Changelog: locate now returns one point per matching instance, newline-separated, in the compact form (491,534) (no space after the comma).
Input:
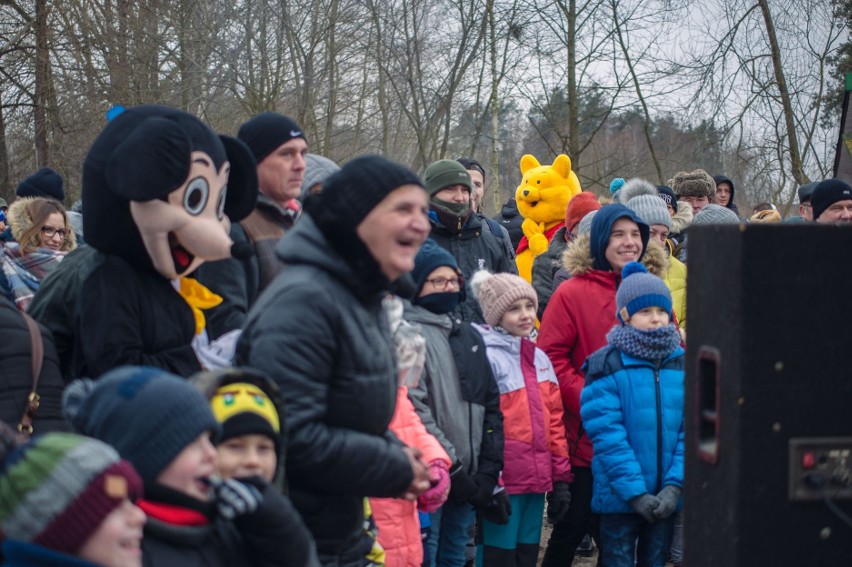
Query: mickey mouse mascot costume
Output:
(160,189)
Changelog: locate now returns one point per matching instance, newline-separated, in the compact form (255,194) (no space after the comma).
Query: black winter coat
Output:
(544,268)
(510,219)
(16,377)
(132,316)
(55,303)
(474,248)
(320,331)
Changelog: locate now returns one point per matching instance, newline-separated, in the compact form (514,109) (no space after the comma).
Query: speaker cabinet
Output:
(769,396)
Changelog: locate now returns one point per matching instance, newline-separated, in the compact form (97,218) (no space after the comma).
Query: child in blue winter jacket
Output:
(632,410)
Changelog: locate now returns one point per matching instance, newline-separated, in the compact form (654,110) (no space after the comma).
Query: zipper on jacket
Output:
(473,457)
(659,426)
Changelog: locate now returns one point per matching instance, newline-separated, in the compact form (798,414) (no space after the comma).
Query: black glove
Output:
(234,498)
(462,486)
(645,506)
(669,497)
(485,484)
(498,509)
(558,501)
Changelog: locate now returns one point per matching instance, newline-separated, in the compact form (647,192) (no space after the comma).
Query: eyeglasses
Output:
(806,205)
(445,283)
(50,232)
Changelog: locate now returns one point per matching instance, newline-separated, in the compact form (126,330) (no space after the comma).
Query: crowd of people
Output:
(246,354)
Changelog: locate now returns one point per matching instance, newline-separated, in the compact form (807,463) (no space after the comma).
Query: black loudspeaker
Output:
(769,396)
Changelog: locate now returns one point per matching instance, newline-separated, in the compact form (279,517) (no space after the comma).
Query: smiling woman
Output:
(43,236)
(320,331)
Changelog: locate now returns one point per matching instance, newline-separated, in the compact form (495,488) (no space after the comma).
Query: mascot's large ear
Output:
(562,165)
(151,162)
(242,181)
(528,162)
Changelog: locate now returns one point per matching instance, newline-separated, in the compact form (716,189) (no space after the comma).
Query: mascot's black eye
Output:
(195,196)
(220,206)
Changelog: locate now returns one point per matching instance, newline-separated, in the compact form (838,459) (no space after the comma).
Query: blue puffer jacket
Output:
(635,423)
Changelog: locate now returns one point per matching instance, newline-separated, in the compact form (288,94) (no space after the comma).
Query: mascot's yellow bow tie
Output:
(198,297)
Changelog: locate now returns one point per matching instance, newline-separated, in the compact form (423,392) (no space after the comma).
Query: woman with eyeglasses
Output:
(43,238)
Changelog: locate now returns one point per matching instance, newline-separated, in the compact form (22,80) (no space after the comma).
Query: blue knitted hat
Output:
(430,257)
(639,290)
(148,415)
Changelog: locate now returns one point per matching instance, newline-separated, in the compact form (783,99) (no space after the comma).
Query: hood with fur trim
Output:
(577,258)
(633,188)
(682,218)
(20,220)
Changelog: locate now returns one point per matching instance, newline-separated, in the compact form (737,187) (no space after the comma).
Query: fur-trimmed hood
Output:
(20,220)
(682,218)
(577,258)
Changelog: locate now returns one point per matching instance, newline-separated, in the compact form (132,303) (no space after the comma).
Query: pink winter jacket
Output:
(396,519)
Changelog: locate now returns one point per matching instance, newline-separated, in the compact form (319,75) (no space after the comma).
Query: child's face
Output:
(116,543)
(649,318)
(519,319)
(191,470)
(247,455)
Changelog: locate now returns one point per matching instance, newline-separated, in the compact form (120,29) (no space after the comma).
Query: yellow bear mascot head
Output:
(542,199)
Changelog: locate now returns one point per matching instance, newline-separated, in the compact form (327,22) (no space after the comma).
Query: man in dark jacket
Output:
(279,147)
(320,331)
(725,192)
(477,179)
(459,231)
(510,218)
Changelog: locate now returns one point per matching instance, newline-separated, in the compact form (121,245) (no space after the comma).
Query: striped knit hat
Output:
(56,490)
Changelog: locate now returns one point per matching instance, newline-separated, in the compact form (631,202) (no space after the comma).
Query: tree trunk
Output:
(42,67)
(795,156)
(573,95)
(5,181)
(495,109)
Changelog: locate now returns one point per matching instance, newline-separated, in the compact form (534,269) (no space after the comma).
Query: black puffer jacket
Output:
(510,219)
(474,248)
(132,316)
(16,373)
(320,332)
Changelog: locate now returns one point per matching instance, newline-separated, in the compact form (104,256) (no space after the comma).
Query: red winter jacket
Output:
(579,315)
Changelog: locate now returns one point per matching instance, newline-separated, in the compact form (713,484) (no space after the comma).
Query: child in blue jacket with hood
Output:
(632,409)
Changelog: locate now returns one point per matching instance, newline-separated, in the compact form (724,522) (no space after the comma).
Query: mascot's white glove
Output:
(216,354)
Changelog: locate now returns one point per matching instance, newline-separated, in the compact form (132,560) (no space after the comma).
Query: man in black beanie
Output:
(279,146)
(832,202)
(43,183)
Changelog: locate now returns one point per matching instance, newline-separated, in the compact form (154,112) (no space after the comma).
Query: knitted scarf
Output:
(652,344)
(24,272)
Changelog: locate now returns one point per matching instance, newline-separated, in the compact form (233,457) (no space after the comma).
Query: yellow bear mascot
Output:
(542,199)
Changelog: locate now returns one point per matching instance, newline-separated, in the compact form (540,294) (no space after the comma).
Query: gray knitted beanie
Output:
(715,214)
(651,209)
